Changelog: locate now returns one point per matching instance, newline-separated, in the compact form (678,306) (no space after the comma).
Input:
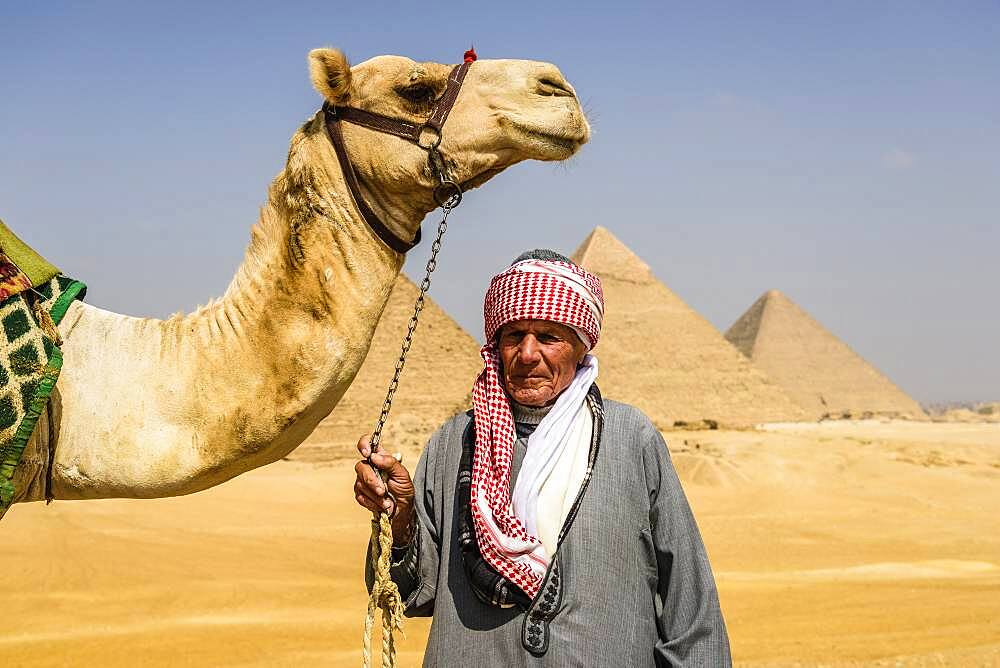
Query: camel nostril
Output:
(553,87)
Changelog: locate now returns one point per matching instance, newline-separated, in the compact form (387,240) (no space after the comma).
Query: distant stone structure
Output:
(436,383)
(817,370)
(987,411)
(660,355)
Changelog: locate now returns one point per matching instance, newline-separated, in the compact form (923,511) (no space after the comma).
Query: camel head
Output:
(507,111)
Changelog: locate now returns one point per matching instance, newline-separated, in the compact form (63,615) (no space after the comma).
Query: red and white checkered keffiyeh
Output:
(530,290)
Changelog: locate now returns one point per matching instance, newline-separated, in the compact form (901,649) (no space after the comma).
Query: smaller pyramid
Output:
(436,383)
(660,355)
(816,369)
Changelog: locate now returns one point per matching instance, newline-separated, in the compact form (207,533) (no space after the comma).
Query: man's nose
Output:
(528,352)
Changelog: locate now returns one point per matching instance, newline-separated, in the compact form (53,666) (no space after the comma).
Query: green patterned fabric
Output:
(20,266)
(30,361)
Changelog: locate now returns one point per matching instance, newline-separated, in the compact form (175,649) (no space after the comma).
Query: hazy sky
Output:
(847,154)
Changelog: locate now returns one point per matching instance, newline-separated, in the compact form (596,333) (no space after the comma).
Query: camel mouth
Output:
(533,142)
(569,143)
(565,144)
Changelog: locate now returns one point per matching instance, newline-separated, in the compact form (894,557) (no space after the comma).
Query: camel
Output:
(150,408)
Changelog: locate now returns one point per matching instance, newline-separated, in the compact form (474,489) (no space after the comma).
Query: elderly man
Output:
(547,527)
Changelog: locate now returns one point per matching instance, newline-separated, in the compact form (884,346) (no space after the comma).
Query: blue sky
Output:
(845,153)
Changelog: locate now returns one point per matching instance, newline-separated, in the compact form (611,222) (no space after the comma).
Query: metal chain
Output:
(418,306)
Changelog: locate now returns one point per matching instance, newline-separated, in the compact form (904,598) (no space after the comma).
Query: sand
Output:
(834,544)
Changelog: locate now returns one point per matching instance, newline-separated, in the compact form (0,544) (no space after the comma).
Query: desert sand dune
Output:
(834,544)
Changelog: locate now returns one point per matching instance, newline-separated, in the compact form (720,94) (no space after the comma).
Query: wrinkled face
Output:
(539,359)
(507,111)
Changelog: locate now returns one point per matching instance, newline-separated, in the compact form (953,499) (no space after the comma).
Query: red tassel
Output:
(470,55)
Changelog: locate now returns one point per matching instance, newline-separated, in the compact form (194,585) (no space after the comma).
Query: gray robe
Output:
(638,589)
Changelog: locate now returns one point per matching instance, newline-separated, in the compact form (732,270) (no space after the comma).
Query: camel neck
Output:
(387,234)
(240,382)
(300,312)
(311,237)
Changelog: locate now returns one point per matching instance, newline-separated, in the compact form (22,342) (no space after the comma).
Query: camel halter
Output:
(448,195)
(427,136)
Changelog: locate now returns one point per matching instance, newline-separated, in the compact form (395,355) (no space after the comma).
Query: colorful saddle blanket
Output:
(34,297)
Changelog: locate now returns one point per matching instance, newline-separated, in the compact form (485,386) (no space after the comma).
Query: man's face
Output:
(539,359)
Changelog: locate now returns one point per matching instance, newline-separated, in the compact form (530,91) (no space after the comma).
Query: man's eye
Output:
(417,93)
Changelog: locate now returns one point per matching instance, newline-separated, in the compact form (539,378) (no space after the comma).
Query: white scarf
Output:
(556,461)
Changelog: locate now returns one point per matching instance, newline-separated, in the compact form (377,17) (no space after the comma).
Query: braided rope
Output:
(384,595)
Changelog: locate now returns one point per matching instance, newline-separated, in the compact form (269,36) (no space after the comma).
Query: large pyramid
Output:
(814,367)
(436,383)
(658,354)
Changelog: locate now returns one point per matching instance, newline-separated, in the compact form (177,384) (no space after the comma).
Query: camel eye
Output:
(417,93)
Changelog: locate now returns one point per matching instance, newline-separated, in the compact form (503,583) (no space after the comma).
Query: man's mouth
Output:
(528,380)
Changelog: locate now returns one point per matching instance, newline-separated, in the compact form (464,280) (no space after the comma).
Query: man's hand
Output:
(369,489)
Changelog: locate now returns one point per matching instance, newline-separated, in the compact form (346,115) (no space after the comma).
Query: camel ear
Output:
(331,74)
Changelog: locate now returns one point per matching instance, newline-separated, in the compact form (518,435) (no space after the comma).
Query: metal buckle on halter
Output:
(447,194)
(435,132)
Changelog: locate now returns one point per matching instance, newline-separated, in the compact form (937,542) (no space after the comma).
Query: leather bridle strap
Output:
(380,229)
(378,122)
(399,128)
(447,101)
